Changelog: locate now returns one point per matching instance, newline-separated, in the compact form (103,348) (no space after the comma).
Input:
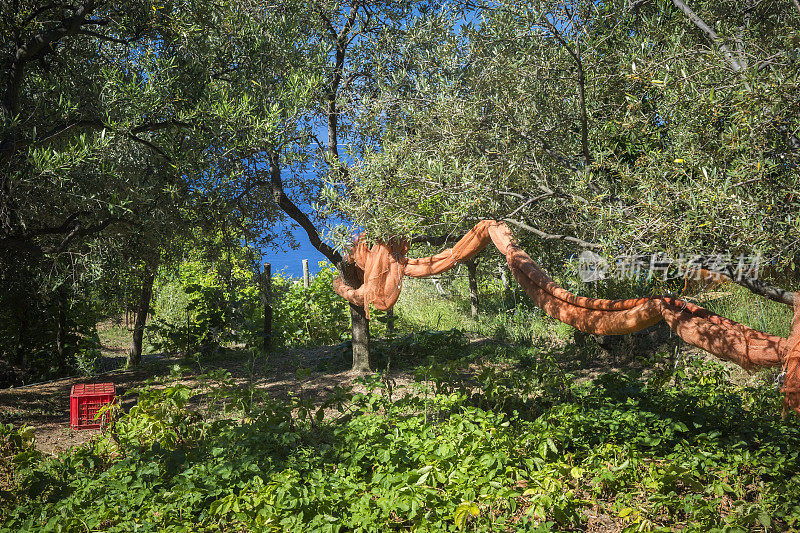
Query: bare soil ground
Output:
(45,406)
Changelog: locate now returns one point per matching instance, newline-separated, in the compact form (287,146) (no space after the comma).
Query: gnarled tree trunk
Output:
(142,308)
(359,323)
(360,333)
(349,272)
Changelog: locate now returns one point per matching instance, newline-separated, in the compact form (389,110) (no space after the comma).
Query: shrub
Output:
(500,453)
(194,300)
(312,316)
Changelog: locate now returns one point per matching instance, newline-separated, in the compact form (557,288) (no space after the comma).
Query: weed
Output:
(520,447)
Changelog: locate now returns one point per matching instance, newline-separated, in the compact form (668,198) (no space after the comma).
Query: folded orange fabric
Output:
(384,266)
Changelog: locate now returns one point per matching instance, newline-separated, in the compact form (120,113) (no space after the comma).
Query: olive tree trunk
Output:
(142,308)
(359,323)
(360,332)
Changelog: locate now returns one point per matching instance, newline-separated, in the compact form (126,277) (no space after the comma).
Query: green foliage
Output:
(29,331)
(215,316)
(622,126)
(83,348)
(171,109)
(697,453)
(122,131)
(312,316)
(17,452)
(168,327)
(196,299)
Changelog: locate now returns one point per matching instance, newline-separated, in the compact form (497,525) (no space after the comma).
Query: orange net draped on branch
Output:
(384,266)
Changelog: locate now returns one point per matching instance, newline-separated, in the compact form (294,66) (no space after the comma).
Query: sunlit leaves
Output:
(687,155)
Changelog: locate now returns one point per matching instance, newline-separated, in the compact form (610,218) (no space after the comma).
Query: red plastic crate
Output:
(84,402)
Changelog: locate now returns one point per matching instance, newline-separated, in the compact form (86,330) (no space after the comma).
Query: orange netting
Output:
(384,266)
(791,368)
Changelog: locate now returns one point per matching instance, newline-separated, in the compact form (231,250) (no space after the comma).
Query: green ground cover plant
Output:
(196,300)
(499,429)
(519,447)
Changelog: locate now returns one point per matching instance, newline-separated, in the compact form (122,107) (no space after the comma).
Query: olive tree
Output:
(301,105)
(102,122)
(628,127)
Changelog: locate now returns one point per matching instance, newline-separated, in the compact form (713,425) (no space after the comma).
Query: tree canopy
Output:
(626,127)
(636,127)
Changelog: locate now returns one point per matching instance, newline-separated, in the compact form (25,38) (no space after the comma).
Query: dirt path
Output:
(310,373)
(45,407)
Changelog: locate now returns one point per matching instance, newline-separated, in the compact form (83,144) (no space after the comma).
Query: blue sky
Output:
(289,262)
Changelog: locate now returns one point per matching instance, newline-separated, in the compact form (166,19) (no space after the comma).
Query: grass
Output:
(511,316)
(759,313)
(421,307)
(114,333)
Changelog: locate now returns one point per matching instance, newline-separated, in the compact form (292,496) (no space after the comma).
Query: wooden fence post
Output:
(267,295)
(188,333)
(472,274)
(390,322)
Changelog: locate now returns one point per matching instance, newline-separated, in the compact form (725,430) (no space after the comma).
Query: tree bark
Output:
(762,288)
(143,307)
(576,56)
(61,329)
(709,33)
(360,335)
(359,323)
(358,316)
(472,274)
